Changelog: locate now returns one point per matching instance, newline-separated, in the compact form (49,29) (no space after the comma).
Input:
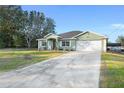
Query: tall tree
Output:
(10,22)
(32,25)
(120,39)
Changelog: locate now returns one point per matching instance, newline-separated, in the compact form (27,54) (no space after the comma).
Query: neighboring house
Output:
(114,47)
(74,40)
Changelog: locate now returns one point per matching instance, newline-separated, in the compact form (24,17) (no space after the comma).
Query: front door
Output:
(54,44)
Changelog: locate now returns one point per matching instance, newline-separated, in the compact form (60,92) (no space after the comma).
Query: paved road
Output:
(74,69)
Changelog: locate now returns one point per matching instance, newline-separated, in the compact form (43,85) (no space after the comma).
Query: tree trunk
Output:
(28,43)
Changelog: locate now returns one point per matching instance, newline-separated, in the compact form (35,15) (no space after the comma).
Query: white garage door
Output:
(89,45)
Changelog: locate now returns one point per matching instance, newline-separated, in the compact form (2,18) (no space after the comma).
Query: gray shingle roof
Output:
(70,34)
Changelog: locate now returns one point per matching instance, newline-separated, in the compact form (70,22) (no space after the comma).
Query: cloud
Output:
(118,26)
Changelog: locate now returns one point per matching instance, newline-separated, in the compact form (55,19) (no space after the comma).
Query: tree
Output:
(49,26)
(18,26)
(32,25)
(120,39)
(2,40)
(9,22)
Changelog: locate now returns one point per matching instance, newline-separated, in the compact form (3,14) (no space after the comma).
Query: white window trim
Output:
(42,44)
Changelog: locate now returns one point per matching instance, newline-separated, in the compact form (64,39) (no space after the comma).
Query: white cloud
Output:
(118,26)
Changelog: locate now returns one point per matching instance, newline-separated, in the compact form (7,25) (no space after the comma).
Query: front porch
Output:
(50,42)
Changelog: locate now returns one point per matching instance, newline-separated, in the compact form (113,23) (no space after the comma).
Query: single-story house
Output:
(73,40)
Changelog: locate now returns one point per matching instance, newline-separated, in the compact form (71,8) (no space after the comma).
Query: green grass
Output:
(112,70)
(14,59)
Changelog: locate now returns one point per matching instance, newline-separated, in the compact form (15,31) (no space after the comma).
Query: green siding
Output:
(89,36)
(86,36)
(73,44)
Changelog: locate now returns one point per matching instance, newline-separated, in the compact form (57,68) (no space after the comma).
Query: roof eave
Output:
(41,39)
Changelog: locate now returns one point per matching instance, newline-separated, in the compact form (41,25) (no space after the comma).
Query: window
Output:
(65,43)
(43,43)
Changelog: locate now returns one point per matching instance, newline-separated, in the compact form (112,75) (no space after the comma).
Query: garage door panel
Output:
(89,45)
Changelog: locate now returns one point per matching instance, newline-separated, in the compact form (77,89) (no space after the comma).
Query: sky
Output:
(105,20)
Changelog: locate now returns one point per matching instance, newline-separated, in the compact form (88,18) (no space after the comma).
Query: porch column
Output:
(57,45)
(70,45)
(38,45)
(46,44)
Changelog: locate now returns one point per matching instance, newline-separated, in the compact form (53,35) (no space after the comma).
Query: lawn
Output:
(15,59)
(112,70)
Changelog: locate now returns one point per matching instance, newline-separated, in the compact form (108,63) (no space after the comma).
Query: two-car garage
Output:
(89,45)
(91,42)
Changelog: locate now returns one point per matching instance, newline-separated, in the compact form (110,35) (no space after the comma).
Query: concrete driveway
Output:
(74,69)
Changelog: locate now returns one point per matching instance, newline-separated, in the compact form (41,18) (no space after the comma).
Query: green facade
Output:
(89,36)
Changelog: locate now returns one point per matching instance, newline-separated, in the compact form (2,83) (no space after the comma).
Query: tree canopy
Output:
(19,28)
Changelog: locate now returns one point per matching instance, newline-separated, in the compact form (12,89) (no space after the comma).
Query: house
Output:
(73,40)
(117,47)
